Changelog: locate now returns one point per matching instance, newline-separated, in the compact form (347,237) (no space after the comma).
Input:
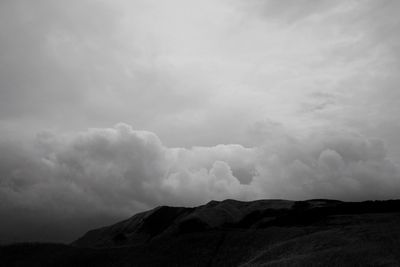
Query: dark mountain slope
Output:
(171,221)
(234,233)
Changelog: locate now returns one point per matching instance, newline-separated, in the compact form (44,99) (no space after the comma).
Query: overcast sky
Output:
(108,108)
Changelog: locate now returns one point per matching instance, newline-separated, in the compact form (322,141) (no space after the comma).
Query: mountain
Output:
(316,232)
(167,221)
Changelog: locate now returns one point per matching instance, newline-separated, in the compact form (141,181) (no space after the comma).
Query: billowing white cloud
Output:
(115,172)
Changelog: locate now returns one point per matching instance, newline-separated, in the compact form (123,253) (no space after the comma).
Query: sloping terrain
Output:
(168,221)
(234,233)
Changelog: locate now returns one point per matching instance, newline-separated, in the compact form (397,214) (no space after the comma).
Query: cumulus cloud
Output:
(102,174)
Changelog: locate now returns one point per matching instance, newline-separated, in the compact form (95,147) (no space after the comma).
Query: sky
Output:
(109,108)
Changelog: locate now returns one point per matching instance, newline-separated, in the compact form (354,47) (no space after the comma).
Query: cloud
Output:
(330,165)
(203,67)
(289,11)
(92,177)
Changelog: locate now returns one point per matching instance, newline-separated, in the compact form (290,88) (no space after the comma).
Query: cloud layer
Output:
(72,181)
(203,67)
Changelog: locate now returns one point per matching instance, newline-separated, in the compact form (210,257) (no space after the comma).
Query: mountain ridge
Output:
(165,221)
(315,232)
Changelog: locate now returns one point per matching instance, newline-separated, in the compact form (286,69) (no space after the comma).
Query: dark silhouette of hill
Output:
(316,232)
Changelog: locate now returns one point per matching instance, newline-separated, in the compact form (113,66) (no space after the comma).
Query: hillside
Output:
(234,233)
